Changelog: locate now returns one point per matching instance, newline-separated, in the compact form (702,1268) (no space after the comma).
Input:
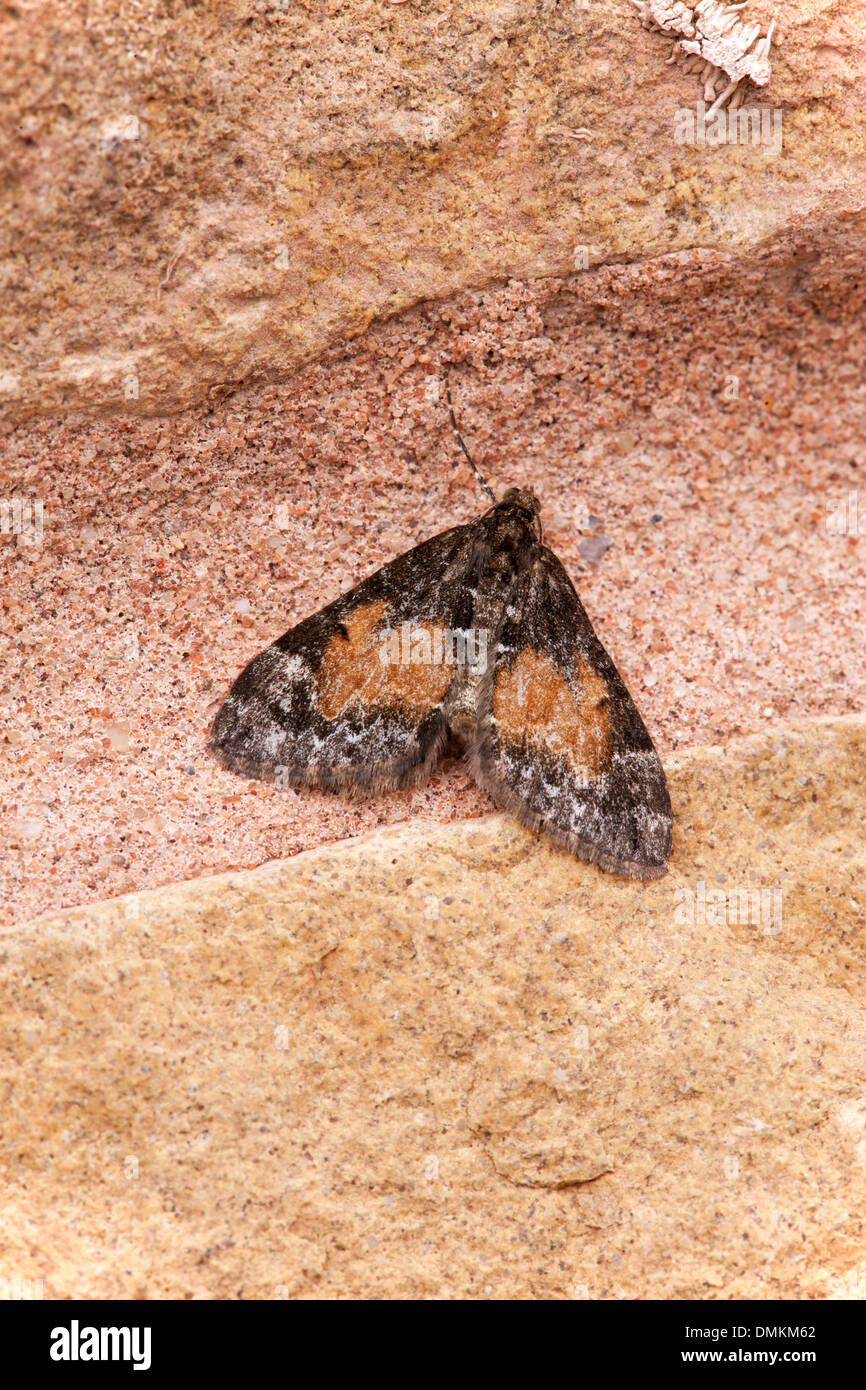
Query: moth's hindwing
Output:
(559,741)
(335,702)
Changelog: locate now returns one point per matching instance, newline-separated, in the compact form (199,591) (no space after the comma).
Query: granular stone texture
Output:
(451,1061)
(201,196)
(693,426)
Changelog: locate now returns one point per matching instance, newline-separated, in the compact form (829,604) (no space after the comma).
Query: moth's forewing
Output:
(559,740)
(339,700)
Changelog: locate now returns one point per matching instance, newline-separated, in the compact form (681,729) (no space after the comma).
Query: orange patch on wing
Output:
(533,704)
(353,673)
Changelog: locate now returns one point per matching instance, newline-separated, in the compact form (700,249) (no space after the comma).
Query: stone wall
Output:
(198,196)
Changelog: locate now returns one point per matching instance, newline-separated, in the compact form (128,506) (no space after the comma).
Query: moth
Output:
(476,636)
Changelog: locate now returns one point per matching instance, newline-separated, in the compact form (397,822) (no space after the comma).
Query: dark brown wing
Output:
(335,702)
(559,741)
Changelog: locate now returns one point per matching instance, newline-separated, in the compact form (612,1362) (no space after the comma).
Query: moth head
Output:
(517,496)
(517,499)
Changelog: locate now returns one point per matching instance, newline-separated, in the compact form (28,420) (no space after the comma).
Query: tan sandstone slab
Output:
(198,197)
(452,1061)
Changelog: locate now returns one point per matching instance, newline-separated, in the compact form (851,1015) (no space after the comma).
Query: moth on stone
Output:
(716,40)
(477,634)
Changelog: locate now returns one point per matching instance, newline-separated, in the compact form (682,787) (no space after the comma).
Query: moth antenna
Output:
(478,474)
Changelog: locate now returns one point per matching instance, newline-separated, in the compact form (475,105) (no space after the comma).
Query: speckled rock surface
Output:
(693,427)
(451,1061)
(198,199)
(201,196)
